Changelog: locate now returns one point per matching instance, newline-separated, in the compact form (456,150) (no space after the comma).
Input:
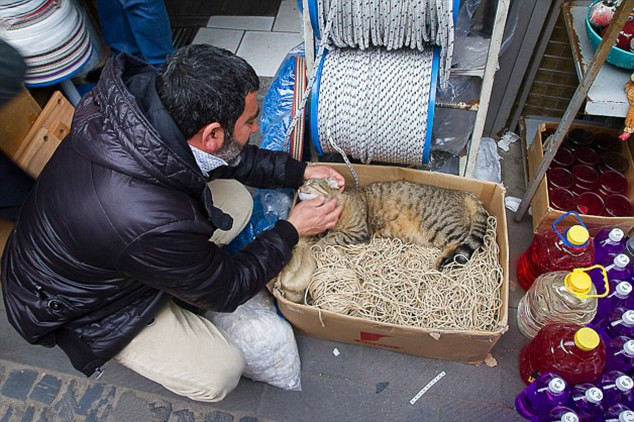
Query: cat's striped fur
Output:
(454,221)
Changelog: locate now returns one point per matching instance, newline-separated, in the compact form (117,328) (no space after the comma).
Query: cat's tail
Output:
(461,251)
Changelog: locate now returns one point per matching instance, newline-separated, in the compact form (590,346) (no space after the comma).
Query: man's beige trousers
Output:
(182,351)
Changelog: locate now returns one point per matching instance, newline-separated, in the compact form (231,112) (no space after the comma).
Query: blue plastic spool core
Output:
(314,104)
(56,81)
(431,106)
(314,17)
(562,237)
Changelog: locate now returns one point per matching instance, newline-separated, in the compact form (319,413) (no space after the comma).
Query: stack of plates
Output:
(49,34)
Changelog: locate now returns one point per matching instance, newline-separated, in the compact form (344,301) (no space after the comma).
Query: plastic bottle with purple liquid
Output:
(620,295)
(617,387)
(629,248)
(620,268)
(587,400)
(558,414)
(540,396)
(619,413)
(608,243)
(620,322)
(619,354)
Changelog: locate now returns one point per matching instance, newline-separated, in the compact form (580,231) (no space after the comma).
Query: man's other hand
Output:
(315,216)
(324,172)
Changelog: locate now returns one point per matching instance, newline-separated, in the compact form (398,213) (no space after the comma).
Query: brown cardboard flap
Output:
(469,346)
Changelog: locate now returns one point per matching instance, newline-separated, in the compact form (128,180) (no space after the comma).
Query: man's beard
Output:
(230,150)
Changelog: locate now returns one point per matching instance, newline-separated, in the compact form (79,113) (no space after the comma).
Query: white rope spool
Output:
(393,24)
(373,104)
(50,35)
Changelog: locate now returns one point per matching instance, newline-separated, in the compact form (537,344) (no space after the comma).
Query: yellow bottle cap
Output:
(587,339)
(577,235)
(579,281)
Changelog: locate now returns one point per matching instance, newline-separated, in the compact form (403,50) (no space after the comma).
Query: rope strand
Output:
(393,24)
(390,281)
(373,104)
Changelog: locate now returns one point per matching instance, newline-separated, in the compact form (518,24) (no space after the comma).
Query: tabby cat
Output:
(453,221)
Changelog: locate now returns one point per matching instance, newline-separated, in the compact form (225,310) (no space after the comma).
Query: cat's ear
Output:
(332,183)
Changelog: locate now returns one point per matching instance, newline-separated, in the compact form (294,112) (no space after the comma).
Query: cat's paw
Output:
(452,255)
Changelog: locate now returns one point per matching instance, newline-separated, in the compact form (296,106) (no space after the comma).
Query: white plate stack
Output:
(49,34)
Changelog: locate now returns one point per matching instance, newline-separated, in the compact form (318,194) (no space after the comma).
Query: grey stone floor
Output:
(360,384)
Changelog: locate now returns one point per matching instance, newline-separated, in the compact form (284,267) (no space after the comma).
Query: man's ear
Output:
(213,136)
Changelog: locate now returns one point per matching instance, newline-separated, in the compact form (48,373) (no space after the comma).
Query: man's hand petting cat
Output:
(324,172)
(315,216)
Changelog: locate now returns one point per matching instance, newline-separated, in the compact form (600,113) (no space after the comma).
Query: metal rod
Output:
(555,140)
(460,105)
(487,84)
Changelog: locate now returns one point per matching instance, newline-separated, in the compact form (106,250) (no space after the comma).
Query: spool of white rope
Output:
(50,35)
(393,24)
(373,104)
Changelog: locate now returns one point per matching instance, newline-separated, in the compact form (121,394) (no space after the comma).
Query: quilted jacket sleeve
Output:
(262,168)
(179,259)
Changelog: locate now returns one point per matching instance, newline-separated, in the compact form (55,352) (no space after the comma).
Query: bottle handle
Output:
(584,295)
(561,236)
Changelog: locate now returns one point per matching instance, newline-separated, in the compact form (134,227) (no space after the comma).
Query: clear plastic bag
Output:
(488,165)
(266,340)
(473,31)
(452,128)
(269,205)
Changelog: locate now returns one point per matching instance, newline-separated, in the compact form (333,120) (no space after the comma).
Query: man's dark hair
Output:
(201,84)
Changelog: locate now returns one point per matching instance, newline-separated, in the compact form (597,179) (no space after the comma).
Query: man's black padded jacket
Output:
(119,223)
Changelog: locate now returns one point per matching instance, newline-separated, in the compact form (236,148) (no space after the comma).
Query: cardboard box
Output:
(544,214)
(466,346)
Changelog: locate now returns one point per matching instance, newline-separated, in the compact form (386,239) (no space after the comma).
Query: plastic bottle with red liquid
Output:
(619,354)
(546,392)
(617,387)
(588,401)
(553,251)
(573,352)
(608,243)
(558,414)
(619,413)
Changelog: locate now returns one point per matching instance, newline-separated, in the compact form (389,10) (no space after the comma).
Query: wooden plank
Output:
(41,141)
(487,85)
(5,230)
(17,117)
(309,39)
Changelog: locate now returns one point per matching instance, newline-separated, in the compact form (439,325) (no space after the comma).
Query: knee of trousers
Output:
(224,381)
(244,211)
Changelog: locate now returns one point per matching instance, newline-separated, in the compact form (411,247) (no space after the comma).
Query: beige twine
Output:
(394,282)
